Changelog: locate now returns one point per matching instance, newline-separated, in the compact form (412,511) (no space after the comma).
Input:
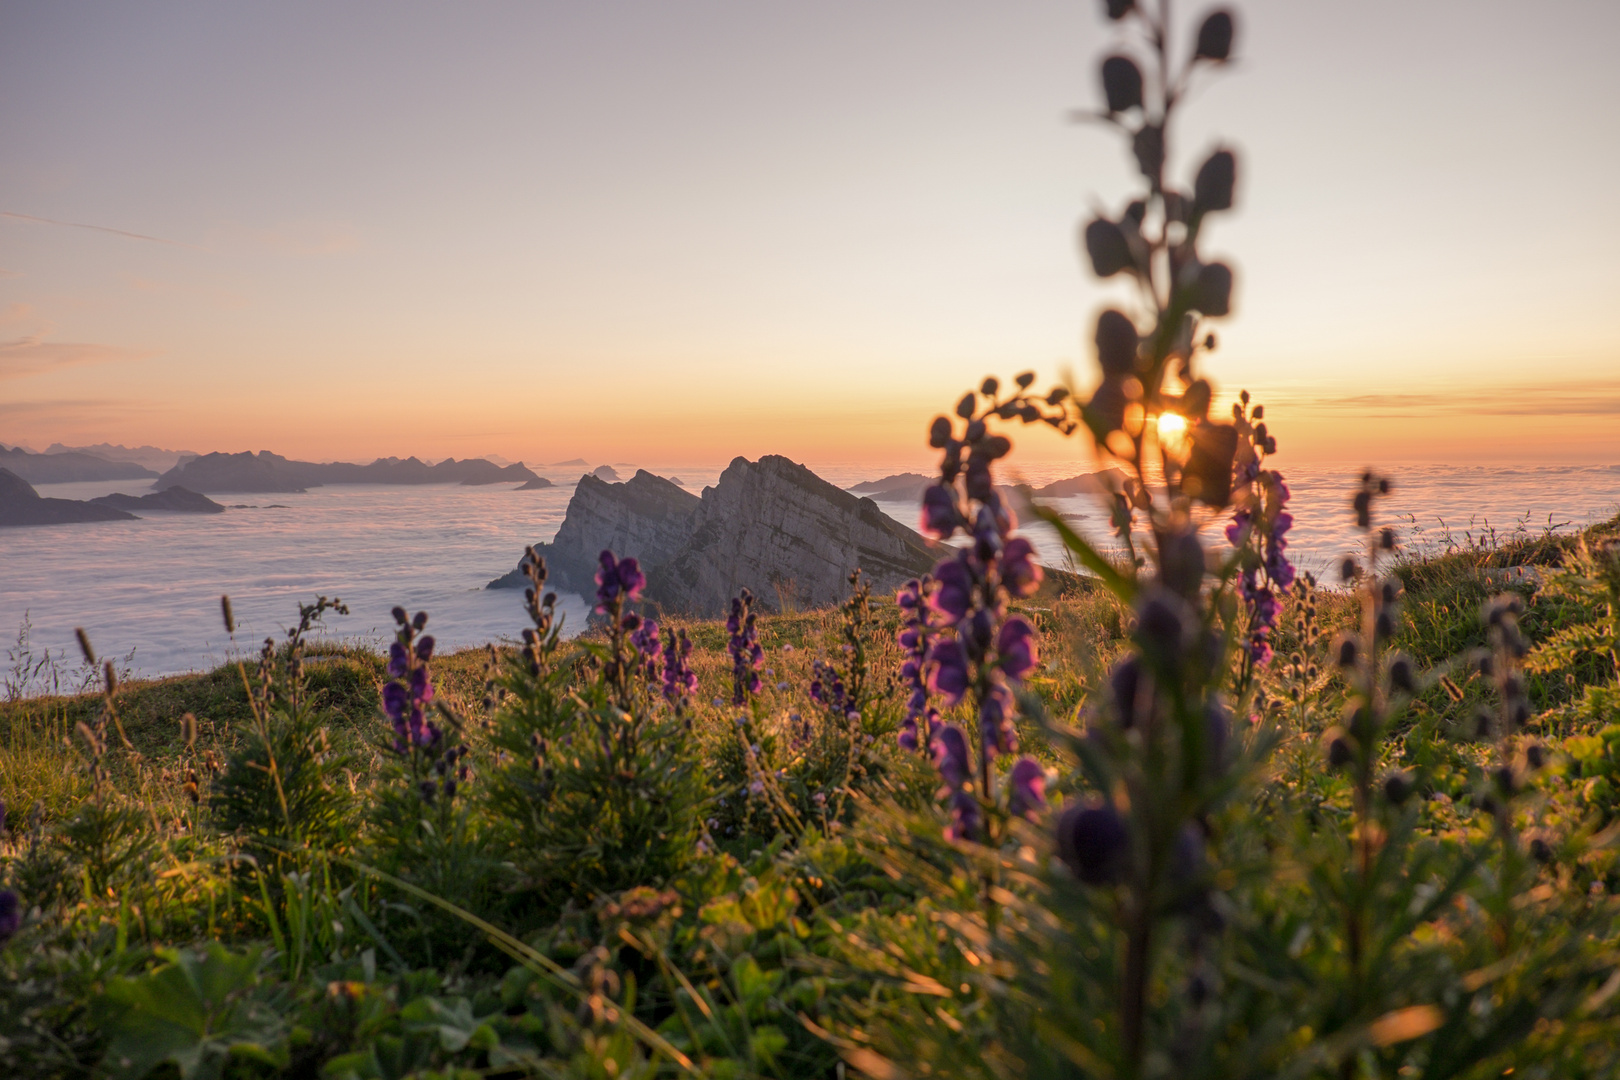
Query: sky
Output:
(684,231)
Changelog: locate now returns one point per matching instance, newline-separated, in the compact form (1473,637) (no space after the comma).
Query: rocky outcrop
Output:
(771,526)
(20,504)
(645,516)
(152,457)
(69,467)
(539,483)
(789,537)
(175,500)
(1084,484)
(267,472)
(901,487)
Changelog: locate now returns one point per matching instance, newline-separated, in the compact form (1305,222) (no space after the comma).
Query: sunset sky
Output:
(688,230)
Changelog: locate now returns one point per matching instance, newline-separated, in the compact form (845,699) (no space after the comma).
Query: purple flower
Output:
(908,734)
(1258,585)
(617,580)
(11,914)
(1028,782)
(396,701)
(950,751)
(1094,842)
(948,670)
(996,731)
(743,645)
(967,818)
(954,596)
(399,660)
(1016,644)
(1019,570)
(1131,689)
(913,638)
(424,648)
(940,516)
(679,679)
(421,686)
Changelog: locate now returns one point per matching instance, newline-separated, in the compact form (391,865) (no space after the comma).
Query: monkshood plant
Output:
(596,782)
(284,790)
(1158,753)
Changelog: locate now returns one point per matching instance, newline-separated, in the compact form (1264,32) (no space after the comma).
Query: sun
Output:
(1172,426)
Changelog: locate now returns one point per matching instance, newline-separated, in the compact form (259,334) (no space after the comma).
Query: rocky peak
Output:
(770,525)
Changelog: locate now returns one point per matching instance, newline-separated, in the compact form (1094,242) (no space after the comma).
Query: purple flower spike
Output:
(954,596)
(1016,643)
(617,580)
(1028,796)
(1019,570)
(421,686)
(967,819)
(997,735)
(908,734)
(951,756)
(396,700)
(11,914)
(948,670)
(940,516)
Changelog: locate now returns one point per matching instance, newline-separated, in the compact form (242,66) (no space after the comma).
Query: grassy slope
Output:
(41,758)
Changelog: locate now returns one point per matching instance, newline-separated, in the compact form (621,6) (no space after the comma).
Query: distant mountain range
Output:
(268,472)
(68,466)
(152,457)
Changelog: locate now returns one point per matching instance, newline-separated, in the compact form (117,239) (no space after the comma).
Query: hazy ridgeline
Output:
(1197,816)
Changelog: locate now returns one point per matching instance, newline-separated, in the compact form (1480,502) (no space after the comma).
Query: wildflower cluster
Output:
(978,650)
(742,642)
(539,639)
(1259,527)
(680,681)
(619,581)
(915,626)
(406,697)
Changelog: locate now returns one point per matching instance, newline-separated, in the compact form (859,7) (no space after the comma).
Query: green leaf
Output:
(1117,583)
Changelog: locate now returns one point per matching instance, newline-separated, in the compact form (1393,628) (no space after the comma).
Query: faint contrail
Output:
(97,228)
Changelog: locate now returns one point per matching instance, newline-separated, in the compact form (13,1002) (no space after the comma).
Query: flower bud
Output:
(1181,561)
(1109,251)
(1148,145)
(1397,787)
(1505,781)
(1122,84)
(1347,651)
(1336,744)
(1347,569)
(1216,178)
(1094,842)
(1212,293)
(1535,756)
(1116,343)
(1215,37)
(1207,475)
(939,433)
(1118,9)
(1541,851)
(1401,676)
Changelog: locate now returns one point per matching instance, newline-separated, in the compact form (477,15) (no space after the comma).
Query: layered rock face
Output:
(646,516)
(788,536)
(771,526)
